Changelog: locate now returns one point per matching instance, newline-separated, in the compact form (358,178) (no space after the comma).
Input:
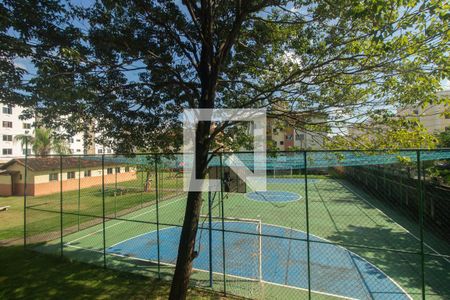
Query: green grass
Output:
(30,275)
(11,221)
(40,218)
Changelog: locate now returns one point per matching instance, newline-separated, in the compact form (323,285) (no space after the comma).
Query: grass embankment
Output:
(29,275)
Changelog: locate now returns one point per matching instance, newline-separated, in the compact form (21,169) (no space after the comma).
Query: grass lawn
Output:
(30,275)
(11,221)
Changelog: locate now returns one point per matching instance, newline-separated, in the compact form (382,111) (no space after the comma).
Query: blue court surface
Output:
(334,270)
(273,196)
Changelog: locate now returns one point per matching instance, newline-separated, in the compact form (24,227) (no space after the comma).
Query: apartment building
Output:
(285,137)
(83,143)
(10,126)
(435,118)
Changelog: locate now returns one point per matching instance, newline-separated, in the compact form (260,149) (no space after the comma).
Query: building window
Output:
(7,110)
(53,177)
(7,138)
(78,150)
(117,170)
(26,151)
(100,151)
(70,140)
(26,126)
(78,140)
(289,137)
(7,151)
(281,143)
(108,151)
(127,169)
(87,173)
(7,124)
(109,171)
(71,175)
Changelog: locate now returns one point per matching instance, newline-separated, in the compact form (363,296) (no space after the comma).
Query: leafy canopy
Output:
(133,66)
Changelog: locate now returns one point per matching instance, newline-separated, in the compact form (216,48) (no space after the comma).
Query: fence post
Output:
(79,190)
(161,180)
(157,215)
(103,210)
(307,224)
(421,209)
(115,192)
(223,226)
(142,186)
(61,201)
(210,240)
(25,196)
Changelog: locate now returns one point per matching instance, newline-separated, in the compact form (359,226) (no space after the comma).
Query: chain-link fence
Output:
(342,224)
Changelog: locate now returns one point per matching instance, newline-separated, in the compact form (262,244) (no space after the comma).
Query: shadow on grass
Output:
(30,275)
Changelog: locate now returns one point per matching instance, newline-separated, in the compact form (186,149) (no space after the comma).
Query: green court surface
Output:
(343,221)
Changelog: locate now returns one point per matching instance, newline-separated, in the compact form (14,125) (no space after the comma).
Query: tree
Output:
(133,66)
(387,132)
(444,139)
(43,142)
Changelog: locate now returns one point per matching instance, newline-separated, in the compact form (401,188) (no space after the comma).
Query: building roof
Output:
(53,163)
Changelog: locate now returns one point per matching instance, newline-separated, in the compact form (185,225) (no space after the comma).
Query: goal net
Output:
(239,242)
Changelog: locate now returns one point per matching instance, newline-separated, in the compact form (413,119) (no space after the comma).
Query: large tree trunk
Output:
(208,70)
(186,253)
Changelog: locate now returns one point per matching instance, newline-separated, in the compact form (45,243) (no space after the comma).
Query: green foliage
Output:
(132,66)
(386,133)
(44,142)
(444,139)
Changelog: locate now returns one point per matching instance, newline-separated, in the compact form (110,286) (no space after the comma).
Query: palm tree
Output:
(43,142)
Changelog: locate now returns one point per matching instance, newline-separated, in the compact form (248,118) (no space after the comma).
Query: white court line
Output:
(216,273)
(272,201)
(115,224)
(279,284)
(418,239)
(345,249)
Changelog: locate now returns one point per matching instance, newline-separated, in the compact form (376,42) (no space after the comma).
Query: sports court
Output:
(256,244)
(263,247)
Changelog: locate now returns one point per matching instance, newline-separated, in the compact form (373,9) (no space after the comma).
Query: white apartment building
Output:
(11,126)
(76,144)
(100,149)
(79,146)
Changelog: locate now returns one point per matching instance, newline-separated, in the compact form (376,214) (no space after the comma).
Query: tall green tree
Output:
(44,142)
(444,139)
(133,66)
